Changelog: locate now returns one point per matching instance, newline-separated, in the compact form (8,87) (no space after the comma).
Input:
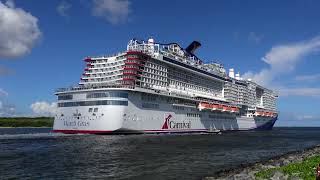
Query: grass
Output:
(26,122)
(305,170)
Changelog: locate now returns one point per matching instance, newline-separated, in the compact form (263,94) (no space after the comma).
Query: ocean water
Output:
(30,153)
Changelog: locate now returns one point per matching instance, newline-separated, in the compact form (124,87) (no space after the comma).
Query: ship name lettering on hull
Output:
(76,123)
(180,125)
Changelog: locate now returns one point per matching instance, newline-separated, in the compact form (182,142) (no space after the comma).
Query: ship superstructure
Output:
(154,87)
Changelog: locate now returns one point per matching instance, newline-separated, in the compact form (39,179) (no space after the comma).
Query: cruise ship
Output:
(153,87)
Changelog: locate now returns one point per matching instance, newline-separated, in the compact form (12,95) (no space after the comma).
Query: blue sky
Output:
(42,44)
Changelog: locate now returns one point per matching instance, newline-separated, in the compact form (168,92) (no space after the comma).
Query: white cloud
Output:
(3,93)
(253,36)
(44,108)
(114,11)
(309,78)
(308,117)
(10,3)
(19,31)
(294,116)
(300,117)
(314,92)
(63,7)
(282,59)
(6,109)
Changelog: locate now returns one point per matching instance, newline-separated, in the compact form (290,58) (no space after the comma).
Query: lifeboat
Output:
(229,109)
(202,106)
(215,106)
(259,113)
(212,107)
(224,108)
(219,107)
(206,105)
(234,109)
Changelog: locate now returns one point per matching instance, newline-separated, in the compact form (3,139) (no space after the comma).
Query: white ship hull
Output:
(161,88)
(138,116)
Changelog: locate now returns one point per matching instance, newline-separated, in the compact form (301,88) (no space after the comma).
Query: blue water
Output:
(32,153)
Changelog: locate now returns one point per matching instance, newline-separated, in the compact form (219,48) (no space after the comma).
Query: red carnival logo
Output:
(166,122)
(171,124)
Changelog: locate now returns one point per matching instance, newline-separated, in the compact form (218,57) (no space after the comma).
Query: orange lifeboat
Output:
(203,105)
(220,107)
(224,108)
(259,113)
(234,109)
(271,114)
(215,106)
(207,106)
(229,108)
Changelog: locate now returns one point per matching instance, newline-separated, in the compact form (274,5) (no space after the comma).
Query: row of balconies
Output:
(197,83)
(156,67)
(184,84)
(95,69)
(115,76)
(145,78)
(89,72)
(102,74)
(149,70)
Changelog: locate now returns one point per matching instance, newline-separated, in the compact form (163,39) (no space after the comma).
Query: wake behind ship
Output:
(161,88)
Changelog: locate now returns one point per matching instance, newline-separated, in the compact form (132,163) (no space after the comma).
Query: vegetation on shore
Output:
(305,169)
(26,122)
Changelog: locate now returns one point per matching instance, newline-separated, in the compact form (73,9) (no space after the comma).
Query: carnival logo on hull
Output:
(171,124)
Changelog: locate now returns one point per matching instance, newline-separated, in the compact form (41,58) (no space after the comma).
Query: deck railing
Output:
(78,88)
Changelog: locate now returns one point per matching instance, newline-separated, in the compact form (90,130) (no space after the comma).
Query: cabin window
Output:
(150,106)
(93,103)
(65,97)
(107,94)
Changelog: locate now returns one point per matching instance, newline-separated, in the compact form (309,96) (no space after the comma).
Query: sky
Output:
(276,43)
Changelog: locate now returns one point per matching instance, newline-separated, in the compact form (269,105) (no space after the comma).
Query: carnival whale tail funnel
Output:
(193,46)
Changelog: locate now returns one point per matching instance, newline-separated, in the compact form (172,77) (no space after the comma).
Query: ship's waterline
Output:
(161,88)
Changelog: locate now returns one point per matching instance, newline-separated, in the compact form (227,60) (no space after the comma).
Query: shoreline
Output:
(248,171)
